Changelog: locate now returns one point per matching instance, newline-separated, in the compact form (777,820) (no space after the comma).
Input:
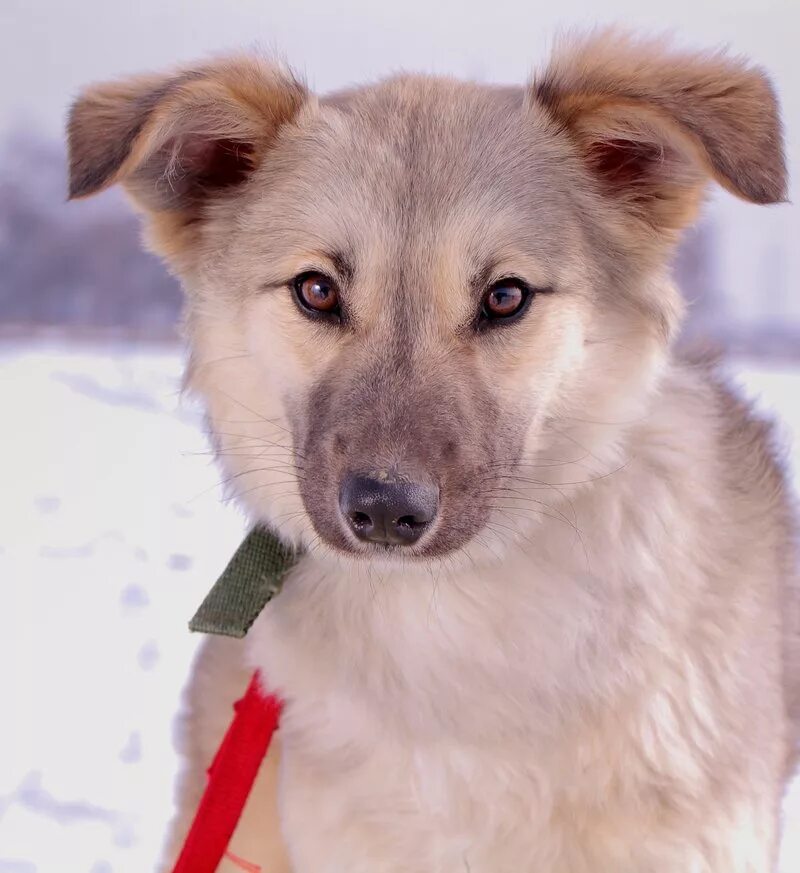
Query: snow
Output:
(111,530)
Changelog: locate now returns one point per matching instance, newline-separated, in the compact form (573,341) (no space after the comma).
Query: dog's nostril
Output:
(360,518)
(390,512)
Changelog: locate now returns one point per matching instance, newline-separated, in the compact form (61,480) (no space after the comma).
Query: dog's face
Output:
(419,310)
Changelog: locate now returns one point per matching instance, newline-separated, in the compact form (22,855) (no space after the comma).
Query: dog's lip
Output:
(364,552)
(374,550)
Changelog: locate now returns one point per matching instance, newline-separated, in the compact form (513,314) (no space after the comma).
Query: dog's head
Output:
(420,310)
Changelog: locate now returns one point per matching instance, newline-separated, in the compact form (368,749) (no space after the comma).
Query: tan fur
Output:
(723,109)
(590,661)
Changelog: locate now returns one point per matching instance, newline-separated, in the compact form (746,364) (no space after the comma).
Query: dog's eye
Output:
(505,300)
(317,294)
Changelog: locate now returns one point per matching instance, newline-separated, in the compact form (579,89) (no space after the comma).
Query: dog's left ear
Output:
(654,125)
(178,140)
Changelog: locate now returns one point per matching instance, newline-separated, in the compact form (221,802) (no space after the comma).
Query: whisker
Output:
(203,364)
(558,517)
(266,485)
(278,469)
(589,481)
(562,519)
(258,415)
(549,462)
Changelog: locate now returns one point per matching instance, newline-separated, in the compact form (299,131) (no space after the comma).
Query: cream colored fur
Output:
(604,675)
(600,699)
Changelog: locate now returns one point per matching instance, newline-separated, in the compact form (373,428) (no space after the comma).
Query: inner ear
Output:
(225,162)
(645,163)
(187,169)
(625,165)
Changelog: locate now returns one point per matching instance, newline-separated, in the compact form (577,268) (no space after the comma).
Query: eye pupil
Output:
(504,299)
(317,292)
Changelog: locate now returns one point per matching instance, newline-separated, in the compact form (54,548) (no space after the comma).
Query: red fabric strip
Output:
(230,780)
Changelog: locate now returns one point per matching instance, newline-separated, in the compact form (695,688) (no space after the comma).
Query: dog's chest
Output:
(429,735)
(383,806)
(438,806)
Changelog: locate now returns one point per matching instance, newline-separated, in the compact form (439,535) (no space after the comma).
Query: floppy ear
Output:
(654,125)
(176,140)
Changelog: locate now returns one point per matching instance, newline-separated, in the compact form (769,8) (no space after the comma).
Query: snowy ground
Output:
(111,530)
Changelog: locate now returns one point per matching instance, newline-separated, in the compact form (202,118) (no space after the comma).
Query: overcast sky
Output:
(50,48)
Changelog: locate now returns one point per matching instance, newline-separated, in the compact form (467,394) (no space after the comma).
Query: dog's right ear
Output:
(175,141)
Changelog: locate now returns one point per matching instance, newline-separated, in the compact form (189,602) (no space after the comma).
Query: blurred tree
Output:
(694,269)
(74,265)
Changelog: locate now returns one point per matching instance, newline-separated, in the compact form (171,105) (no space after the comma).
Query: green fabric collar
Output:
(252,578)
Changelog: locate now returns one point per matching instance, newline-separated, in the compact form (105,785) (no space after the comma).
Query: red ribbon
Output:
(230,780)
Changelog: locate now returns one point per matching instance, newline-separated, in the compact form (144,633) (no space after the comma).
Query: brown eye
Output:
(317,293)
(504,300)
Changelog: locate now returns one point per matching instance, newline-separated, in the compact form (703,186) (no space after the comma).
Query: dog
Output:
(547,615)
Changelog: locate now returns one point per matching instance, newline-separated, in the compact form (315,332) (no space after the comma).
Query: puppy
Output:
(547,617)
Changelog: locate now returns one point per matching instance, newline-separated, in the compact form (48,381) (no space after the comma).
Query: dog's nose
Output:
(384,511)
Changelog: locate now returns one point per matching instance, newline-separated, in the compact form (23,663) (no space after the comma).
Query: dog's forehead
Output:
(431,110)
(435,139)
(420,169)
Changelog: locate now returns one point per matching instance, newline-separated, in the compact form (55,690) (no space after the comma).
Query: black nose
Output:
(387,511)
